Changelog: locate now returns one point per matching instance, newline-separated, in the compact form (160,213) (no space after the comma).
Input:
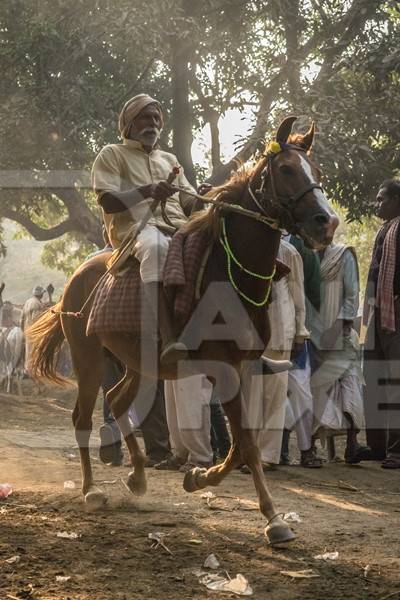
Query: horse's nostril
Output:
(321,219)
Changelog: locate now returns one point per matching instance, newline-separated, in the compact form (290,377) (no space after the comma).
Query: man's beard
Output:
(149,136)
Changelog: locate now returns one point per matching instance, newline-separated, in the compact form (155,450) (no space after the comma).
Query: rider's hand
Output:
(159,191)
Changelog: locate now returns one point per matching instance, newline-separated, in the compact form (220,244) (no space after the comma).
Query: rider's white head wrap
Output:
(132,108)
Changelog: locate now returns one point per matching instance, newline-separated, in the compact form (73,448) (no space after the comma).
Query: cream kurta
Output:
(121,167)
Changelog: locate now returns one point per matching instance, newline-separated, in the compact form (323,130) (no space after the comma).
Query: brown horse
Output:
(284,188)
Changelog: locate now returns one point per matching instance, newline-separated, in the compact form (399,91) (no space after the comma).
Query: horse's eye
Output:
(286,170)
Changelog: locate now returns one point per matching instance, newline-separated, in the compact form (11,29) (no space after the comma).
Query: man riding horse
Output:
(125,177)
(282,191)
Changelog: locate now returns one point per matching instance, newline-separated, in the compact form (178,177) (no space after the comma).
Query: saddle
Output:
(118,306)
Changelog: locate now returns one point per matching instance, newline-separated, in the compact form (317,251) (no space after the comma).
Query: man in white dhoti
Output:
(336,381)
(300,406)
(267,393)
(31,311)
(189,424)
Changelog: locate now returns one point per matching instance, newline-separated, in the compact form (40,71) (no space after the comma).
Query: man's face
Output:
(146,128)
(388,206)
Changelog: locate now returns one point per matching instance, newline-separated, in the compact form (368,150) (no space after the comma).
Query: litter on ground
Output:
(303,574)
(292,517)
(157,538)
(239,585)
(5,490)
(69,485)
(327,556)
(67,536)
(211,562)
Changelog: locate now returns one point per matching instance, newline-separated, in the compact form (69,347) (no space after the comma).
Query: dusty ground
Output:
(112,559)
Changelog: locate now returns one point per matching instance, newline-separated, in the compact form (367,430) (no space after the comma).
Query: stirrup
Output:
(271,366)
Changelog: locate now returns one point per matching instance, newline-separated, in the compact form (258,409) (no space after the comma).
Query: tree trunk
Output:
(182,137)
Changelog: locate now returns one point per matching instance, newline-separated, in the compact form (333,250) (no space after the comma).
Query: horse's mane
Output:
(230,192)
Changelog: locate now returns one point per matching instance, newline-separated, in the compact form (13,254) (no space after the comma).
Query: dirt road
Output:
(352,510)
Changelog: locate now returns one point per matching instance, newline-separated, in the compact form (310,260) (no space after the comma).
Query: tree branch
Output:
(351,25)
(352,22)
(37,232)
(127,93)
(80,213)
(290,14)
(210,116)
(256,135)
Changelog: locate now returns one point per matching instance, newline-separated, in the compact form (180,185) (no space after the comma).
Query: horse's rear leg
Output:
(119,400)
(88,362)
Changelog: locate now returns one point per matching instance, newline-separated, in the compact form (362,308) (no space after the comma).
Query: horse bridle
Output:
(275,201)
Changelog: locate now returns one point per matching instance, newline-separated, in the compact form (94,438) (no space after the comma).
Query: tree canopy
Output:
(68,66)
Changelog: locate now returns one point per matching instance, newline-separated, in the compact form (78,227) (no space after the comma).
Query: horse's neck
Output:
(253,243)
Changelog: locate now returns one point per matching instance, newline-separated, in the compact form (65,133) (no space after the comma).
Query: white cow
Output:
(12,352)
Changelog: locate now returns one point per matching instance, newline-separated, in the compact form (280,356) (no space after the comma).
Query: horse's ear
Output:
(285,129)
(308,137)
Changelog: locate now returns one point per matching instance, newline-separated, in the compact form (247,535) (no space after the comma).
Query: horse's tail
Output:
(45,337)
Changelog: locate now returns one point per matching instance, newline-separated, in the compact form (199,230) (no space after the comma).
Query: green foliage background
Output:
(68,66)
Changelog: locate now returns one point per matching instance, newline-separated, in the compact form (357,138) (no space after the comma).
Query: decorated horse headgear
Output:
(274,148)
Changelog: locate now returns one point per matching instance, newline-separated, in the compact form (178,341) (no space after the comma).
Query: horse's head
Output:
(290,190)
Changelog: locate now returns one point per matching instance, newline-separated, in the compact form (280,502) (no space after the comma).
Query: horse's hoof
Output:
(190,480)
(278,532)
(95,499)
(137,485)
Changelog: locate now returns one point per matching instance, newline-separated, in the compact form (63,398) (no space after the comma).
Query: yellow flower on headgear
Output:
(274,148)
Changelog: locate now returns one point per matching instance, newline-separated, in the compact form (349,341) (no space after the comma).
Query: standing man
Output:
(336,379)
(382,344)
(300,406)
(31,311)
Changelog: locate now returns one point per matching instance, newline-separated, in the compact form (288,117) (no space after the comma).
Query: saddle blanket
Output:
(117,306)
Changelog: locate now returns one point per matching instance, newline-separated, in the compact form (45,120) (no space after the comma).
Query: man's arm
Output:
(115,202)
(107,183)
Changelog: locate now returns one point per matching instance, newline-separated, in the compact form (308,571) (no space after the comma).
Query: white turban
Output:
(132,108)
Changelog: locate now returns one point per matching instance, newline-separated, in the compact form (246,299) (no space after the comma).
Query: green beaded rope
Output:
(230,256)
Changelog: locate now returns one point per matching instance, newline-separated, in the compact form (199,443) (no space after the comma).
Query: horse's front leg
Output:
(277,530)
(244,450)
